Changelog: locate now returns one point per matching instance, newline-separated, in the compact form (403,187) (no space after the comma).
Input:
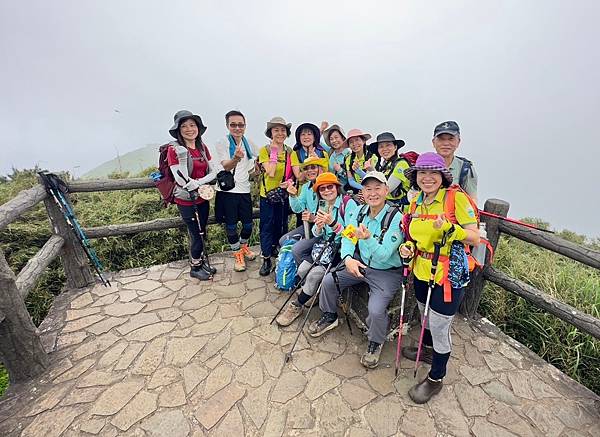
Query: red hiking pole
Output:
(401,325)
(436,255)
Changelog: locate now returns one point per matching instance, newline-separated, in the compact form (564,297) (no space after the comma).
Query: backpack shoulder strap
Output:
(387,221)
(465,169)
(362,212)
(345,199)
(450,203)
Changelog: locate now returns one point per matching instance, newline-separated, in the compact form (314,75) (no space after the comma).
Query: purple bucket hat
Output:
(430,161)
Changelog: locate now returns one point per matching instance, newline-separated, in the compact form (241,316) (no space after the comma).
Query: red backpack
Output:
(410,157)
(166,183)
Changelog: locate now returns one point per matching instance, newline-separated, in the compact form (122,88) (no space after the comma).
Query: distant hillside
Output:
(133,162)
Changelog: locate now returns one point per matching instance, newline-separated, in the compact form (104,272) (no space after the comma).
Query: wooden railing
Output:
(21,350)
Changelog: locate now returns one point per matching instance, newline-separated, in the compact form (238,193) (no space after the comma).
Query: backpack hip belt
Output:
(444,261)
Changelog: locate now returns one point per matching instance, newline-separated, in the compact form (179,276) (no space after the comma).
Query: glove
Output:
(192,185)
(273,157)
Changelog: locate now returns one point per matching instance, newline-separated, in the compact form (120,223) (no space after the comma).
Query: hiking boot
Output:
(327,322)
(290,313)
(310,301)
(239,264)
(199,273)
(370,358)
(207,267)
(266,268)
(248,254)
(425,390)
(410,352)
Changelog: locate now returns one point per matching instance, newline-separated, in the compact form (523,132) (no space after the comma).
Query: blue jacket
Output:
(376,255)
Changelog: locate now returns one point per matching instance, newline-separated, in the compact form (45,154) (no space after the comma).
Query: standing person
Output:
(357,163)
(446,139)
(328,222)
(336,139)
(274,160)
(236,154)
(385,149)
(372,259)
(189,156)
(431,176)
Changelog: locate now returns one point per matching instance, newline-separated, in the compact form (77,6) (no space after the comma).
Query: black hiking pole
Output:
(54,187)
(288,355)
(301,280)
(194,196)
(434,262)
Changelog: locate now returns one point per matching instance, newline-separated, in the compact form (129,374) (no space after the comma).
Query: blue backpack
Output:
(285,272)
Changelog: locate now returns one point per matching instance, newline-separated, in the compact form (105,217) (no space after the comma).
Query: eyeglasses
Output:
(237,125)
(329,187)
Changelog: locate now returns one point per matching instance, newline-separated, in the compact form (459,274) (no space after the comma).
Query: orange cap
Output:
(324,179)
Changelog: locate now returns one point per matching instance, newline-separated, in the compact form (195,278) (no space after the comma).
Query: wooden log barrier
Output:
(32,271)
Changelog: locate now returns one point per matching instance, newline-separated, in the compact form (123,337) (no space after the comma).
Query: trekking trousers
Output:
(188,214)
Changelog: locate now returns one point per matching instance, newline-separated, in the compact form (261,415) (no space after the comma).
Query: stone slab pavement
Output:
(161,354)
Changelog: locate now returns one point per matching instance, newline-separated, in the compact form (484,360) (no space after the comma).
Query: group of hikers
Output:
(364,212)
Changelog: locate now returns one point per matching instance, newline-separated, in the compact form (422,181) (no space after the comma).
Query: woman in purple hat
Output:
(432,221)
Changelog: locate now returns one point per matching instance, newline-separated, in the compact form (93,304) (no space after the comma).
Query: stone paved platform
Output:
(160,354)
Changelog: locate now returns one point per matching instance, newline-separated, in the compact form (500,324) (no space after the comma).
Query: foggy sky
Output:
(520,77)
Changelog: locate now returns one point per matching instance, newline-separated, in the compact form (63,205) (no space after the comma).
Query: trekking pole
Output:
(434,261)
(194,196)
(53,189)
(516,222)
(288,355)
(301,281)
(306,229)
(401,325)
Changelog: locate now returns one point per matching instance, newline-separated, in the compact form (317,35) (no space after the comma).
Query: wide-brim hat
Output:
(327,132)
(315,130)
(315,160)
(278,121)
(181,116)
(385,137)
(430,161)
(324,179)
(357,133)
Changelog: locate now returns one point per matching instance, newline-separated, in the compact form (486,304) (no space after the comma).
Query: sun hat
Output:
(315,130)
(183,115)
(325,179)
(447,127)
(377,175)
(357,133)
(327,132)
(315,160)
(430,161)
(278,121)
(385,137)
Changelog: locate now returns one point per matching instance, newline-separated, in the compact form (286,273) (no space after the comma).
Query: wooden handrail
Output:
(584,255)
(86,186)
(29,274)
(584,322)
(15,207)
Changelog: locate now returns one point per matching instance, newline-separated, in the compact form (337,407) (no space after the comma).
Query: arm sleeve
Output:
(353,183)
(298,203)
(397,177)
(324,145)
(173,162)
(212,173)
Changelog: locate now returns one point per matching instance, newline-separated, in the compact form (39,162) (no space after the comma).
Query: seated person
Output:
(371,257)
(334,207)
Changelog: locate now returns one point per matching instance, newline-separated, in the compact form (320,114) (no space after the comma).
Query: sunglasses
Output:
(237,125)
(311,167)
(328,187)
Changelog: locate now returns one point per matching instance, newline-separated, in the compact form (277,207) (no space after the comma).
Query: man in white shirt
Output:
(236,154)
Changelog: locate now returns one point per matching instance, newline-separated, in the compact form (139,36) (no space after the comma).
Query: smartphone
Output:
(323,206)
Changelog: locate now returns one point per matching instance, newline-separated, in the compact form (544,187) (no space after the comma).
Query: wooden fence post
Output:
(74,260)
(473,292)
(21,349)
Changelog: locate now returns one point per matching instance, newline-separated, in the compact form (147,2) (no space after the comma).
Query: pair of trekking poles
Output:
(437,247)
(330,243)
(55,187)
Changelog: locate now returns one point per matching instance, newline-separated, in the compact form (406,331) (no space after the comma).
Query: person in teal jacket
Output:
(370,253)
(334,209)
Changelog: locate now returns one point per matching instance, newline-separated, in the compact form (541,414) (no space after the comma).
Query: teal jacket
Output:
(381,256)
(339,158)
(305,200)
(327,231)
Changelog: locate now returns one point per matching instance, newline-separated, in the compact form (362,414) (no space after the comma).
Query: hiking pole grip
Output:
(306,229)
(193,194)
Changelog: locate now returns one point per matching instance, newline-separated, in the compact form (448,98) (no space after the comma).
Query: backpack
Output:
(465,169)
(165,183)
(410,157)
(285,272)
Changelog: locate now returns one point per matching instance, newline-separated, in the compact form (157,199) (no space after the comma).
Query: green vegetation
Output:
(576,354)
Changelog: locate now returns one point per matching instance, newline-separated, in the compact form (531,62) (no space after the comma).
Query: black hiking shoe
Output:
(425,390)
(266,268)
(327,322)
(207,267)
(410,352)
(199,273)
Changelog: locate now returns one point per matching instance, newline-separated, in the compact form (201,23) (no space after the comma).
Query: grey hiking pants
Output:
(383,284)
(314,276)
